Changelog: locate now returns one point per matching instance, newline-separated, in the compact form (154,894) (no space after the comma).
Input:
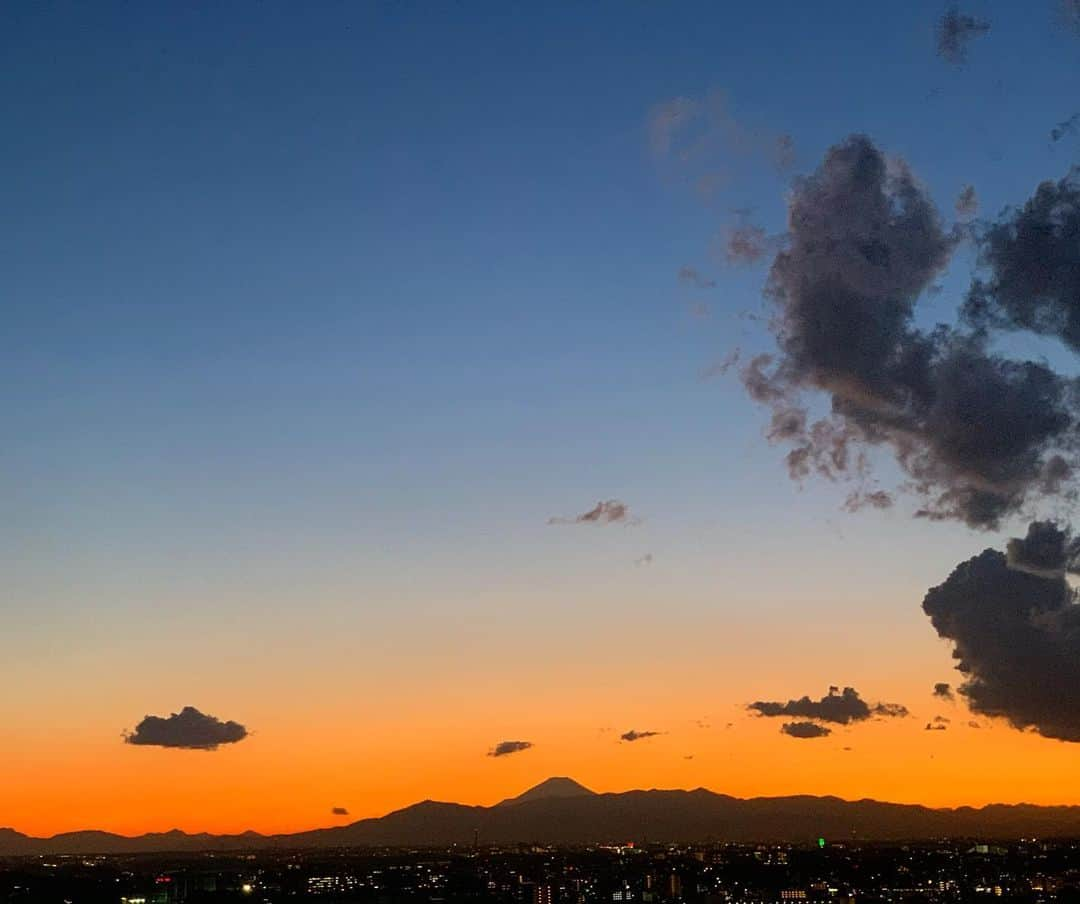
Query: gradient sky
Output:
(315,314)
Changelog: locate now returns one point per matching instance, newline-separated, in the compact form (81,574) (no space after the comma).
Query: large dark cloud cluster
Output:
(188,729)
(977,434)
(1015,627)
(840,707)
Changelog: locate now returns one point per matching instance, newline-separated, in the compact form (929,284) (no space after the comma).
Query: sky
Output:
(324,324)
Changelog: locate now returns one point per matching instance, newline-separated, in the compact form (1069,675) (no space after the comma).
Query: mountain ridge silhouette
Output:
(561,811)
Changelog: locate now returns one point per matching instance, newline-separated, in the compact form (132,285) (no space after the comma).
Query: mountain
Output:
(556,787)
(560,811)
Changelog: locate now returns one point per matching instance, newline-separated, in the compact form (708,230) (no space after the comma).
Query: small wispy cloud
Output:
(638,735)
(956,30)
(610,511)
(691,276)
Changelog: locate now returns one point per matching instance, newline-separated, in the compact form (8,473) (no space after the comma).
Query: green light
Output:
(821,842)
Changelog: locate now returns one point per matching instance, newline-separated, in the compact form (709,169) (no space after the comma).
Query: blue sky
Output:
(417,267)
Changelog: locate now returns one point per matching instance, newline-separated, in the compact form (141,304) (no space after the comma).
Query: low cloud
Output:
(505,748)
(944,690)
(339,811)
(935,727)
(1016,639)
(646,559)
(839,707)
(942,720)
(610,511)
(188,729)
(955,32)
(804,730)
(638,735)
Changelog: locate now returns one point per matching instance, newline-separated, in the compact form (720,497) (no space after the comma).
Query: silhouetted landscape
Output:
(560,811)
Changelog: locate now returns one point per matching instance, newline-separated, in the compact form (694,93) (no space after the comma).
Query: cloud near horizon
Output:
(805,730)
(839,707)
(188,729)
(638,735)
(505,748)
(339,811)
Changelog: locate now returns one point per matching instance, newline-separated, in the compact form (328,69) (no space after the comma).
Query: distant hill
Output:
(551,788)
(560,811)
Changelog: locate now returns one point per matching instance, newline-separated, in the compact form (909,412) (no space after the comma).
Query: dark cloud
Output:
(941,720)
(976,434)
(1068,126)
(967,203)
(339,811)
(1048,551)
(841,707)
(1033,255)
(638,735)
(938,727)
(610,511)
(944,690)
(189,729)
(505,748)
(804,730)
(974,724)
(890,710)
(1016,638)
(955,31)
(689,276)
